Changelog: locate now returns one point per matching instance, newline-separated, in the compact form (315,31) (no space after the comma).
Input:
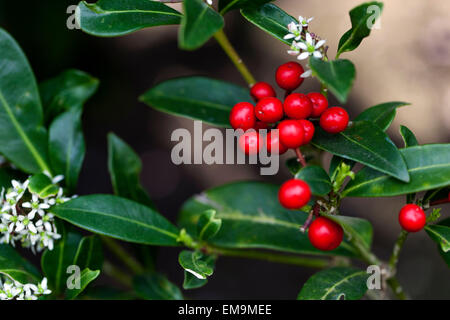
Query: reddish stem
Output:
(300,157)
(438,202)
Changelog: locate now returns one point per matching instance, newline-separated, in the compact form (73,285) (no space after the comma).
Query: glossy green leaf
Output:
(86,277)
(118,218)
(363,17)
(192,282)
(409,138)
(428,167)
(252,217)
(8,174)
(125,169)
(228,5)
(444,255)
(335,284)
(199,23)
(111,18)
(89,253)
(208,225)
(196,263)
(381,115)
(356,228)
(271,19)
(69,90)
(317,179)
(43,186)
(24,139)
(365,143)
(67,147)
(16,267)
(337,75)
(156,287)
(440,234)
(199,98)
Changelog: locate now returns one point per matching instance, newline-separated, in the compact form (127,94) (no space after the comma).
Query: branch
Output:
(128,260)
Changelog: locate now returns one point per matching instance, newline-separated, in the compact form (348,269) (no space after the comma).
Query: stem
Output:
(396,288)
(120,252)
(272,257)
(300,157)
(438,202)
(117,274)
(392,280)
(234,57)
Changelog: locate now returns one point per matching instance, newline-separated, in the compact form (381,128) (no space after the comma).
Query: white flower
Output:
(10,289)
(304,22)
(209,2)
(310,47)
(20,188)
(295,31)
(36,206)
(306,74)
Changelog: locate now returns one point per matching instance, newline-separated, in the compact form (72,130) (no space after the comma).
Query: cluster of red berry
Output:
(289,117)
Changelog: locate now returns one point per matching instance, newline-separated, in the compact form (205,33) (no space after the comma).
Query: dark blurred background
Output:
(407,59)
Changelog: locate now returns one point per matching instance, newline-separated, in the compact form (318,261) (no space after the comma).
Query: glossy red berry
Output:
(334,120)
(298,106)
(308,130)
(291,133)
(269,110)
(294,194)
(242,116)
(250,142)
(412,218)
(319,103)
(261,90)
(273,143)
(288,76)
(325,234)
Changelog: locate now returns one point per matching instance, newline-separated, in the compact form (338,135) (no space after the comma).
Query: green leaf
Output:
(228,5)
(335,284)
(55,262)
(271,19)
(381,115)
(111,18)
(16,267)
(428,167)
(357,228)
(86,277)
(125,168)
(192,282)
(67,147)
(208,225)
(89,253)
(252,217)
(43,186)
(335,164)
(199,23)
(196,263)
(440,234)
(364,142)
(199,98)
(156,287)
(8,174)
(360,16)
(444,255)
(337,75)
(118,218)
(24,139)
(317,179)
(69,90)
(408,137)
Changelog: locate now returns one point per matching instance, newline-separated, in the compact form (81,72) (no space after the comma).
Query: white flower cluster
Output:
(23,217)
(304,44)
(14,290)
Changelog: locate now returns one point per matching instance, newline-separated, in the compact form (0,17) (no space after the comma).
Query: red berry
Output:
(260,125)
(291,133)
(294,194)
(250,142)
(261,90)
(269,110)
(334,120)
(325,234)
(308,130)
(288,76)
(319,102)
(298,106)
(412,218)
(242,116)
(273,142)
